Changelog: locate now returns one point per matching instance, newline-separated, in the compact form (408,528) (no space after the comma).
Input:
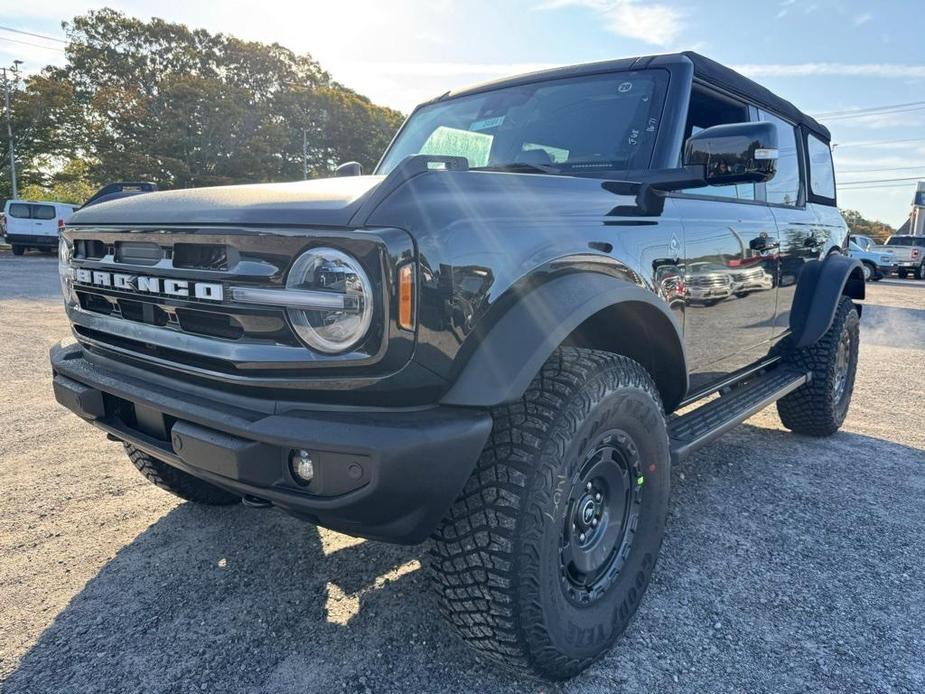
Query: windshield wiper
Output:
(519,167)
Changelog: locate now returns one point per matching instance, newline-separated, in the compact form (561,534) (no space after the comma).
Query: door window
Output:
(43,212)
(707,109)
(821,172)
(784,188)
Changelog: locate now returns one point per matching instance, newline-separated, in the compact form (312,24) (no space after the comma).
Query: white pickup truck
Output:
(908,254)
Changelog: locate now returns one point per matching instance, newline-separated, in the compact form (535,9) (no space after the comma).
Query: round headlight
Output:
(65,272)
(334,272)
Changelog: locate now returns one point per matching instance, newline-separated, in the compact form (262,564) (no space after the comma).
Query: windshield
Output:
(598,123)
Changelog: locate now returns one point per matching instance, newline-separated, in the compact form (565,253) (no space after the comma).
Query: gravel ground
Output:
(790,564)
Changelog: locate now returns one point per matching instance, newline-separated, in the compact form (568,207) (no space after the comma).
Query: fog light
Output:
(303,469)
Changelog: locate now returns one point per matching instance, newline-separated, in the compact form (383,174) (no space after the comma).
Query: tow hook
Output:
(255,501)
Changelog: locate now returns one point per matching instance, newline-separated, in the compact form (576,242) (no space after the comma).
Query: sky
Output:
(826,56)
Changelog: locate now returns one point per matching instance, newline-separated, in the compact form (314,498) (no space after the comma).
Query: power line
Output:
(890,168)
(863,111)
(30,33)
(880,180)
(34,45)
(873,114)
(874,143)
(877,187)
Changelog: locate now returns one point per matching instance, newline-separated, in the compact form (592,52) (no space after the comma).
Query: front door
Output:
(731,260)
(730,265)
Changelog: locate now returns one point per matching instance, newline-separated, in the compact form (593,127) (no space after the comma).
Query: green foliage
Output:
(71,184)
(152,100)
(858,224)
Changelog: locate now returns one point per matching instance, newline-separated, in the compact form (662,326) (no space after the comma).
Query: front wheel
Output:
(902,274)
(819,408)
(869,271)
(544,558)
(177,482)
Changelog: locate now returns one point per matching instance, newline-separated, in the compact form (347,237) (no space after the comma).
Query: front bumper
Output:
(383,474)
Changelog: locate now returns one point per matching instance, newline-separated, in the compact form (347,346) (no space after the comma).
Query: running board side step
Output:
(690,431)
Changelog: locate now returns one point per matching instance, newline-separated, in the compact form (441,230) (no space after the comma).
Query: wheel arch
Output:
(821,285)
(585,309)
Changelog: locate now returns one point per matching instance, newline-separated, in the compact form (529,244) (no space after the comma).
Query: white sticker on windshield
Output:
(487,123)
(624,87)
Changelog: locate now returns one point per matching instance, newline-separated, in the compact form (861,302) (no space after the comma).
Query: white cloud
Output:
(862,19)
(882,70)
(653,23)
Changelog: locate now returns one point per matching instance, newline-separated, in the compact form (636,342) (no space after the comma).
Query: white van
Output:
(35,224)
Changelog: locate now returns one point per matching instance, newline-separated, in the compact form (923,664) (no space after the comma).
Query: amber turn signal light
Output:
(406,296)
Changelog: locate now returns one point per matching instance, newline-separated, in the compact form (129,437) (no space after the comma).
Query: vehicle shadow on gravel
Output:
(241,600)
(784,568)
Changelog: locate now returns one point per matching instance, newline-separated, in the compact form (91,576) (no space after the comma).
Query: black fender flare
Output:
(820,286)
(512,351)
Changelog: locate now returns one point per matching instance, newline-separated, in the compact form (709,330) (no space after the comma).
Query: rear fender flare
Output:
(821,285)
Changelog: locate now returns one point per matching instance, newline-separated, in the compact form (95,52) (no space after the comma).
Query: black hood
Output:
(321,202)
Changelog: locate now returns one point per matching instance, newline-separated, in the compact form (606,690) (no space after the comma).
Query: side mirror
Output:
(351,168)
(734,153)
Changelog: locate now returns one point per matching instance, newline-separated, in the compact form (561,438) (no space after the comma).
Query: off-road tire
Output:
(814,409)
(19,250)
(177,482)
(496,559)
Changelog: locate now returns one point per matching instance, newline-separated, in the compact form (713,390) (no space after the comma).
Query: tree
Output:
(154,100)
(858,224)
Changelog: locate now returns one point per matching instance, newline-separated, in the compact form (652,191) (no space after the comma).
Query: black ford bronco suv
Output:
(552,288)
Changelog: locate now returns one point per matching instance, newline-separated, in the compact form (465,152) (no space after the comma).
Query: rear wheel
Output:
(819,407)
(920,272)
(19,250)
(902,274)
(543,559)
(177,482)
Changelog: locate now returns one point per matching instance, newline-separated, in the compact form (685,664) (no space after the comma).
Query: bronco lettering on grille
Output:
(209,291)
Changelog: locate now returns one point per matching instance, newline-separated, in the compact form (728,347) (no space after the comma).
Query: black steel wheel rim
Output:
(842,364)
(601,515)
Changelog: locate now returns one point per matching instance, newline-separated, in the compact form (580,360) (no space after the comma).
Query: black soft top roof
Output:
(727,78)
(705,69)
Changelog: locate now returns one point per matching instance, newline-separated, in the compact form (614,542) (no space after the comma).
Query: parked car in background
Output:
(908,255)
(876,264)
(34,224)
(865,243)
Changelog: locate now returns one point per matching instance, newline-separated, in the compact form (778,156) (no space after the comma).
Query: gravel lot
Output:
(790,564)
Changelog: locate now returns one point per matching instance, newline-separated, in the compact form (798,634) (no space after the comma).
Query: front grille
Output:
(708,281)
(131,315)
(201,256)
(750,275)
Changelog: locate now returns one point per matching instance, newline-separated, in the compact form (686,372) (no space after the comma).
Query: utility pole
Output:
(9,118)
(304,154)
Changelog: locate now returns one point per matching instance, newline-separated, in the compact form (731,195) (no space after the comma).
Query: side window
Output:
(43,212)
(784,188)
(706,110)
(821,171)
(20,211)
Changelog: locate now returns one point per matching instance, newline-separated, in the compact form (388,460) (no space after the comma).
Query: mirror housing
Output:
(734,153)
(350,168)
